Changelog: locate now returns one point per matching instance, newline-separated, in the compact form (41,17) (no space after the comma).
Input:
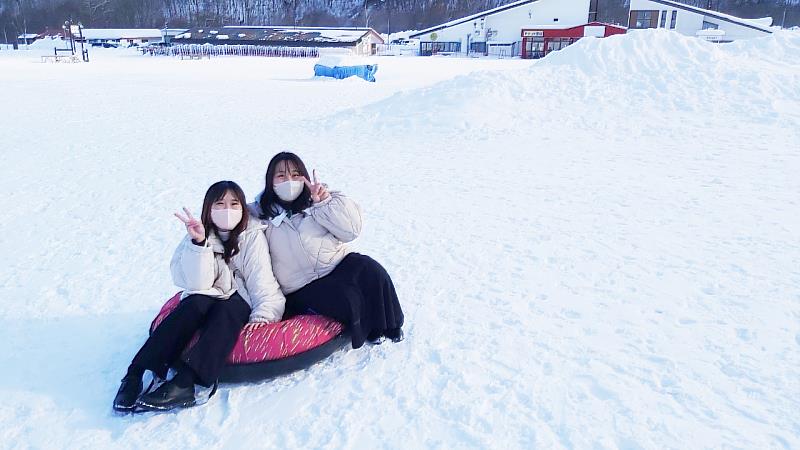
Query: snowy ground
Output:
(596,250)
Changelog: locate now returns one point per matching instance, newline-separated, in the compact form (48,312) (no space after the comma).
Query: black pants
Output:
(219,323)
(358,293)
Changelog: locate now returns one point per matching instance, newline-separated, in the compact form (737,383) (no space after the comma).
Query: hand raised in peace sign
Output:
(318,190)
(194,227)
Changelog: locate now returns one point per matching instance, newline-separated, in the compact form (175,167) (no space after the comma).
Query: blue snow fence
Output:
(366,72)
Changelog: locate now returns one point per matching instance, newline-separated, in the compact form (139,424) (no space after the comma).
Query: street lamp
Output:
(366,13)
(388,16)
(84,52)
(68,33)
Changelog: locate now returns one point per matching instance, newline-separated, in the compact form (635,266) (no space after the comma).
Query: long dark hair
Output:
(269,199)
(214,193)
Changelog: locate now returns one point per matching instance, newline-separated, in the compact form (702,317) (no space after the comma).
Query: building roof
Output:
(562,27)
(279,34)
(762,24)
(120,33)
(488,12)
(173,31)
(28,36)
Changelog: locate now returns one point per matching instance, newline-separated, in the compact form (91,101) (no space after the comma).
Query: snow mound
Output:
(661,52)
(647,72)
(45,45)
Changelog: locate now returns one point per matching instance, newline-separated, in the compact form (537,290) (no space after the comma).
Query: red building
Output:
(538,42)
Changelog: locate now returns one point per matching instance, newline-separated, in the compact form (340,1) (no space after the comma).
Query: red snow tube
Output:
(277,348)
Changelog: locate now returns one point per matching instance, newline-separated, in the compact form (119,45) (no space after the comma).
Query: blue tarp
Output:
(340,72)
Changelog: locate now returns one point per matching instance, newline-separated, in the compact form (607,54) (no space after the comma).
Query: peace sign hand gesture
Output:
(318,190)
(194,227)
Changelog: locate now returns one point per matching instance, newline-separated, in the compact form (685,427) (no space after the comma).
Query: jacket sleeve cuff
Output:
(258,319)
(192,247)
(323,202)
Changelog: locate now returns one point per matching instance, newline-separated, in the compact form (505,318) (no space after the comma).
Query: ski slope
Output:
(599,249)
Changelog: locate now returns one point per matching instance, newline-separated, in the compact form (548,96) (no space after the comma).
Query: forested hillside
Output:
(35,15)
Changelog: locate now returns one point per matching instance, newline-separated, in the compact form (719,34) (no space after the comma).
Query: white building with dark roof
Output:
(124,36)
(501,26)
(27,38)
(360,41)
(693,21)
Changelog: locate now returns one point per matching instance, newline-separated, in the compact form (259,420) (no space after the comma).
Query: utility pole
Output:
(24,23)
(84,52)
(71,37)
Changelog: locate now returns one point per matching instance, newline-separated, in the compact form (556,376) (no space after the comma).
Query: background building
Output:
(360,41)
(537,42)
(693,21)
(122,36)
(501,26)
(27,38)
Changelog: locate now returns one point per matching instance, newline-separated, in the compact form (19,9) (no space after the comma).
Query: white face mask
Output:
(226,219)
(288,191)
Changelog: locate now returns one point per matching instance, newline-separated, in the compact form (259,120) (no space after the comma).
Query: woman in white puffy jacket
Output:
(308,229)
(224,267)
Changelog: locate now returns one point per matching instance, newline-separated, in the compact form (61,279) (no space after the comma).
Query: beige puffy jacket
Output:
(202,270)
(310,244)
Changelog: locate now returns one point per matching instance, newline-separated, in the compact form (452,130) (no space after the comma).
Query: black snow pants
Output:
(218,322)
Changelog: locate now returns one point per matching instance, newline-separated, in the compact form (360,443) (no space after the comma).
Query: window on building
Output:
(710,26)
(432,48)
(663,23)
(643,19)
(534,48)
(672,21)
(477,47)
(556,44)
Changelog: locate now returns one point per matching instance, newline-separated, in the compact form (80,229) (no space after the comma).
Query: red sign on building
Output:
(538,42)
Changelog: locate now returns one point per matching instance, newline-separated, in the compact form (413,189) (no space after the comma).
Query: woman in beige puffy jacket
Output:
(223,265)
(308,229)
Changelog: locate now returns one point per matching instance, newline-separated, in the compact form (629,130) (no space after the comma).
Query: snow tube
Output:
(274,349)
(366,72)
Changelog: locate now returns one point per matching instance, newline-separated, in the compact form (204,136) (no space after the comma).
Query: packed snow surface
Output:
(600,249)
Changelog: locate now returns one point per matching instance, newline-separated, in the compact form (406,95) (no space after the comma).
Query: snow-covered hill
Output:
(594,250)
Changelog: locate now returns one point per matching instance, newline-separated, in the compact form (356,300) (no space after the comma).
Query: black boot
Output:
(395,334)
(128,392)
(375,338)
(168,396)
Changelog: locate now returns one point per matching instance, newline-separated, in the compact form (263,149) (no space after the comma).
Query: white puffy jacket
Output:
(310,244)
(202,270)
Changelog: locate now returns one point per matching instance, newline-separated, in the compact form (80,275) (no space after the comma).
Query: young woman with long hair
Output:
(224,267)
(308,229)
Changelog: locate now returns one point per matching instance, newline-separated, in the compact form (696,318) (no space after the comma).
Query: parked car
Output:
(155,44)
